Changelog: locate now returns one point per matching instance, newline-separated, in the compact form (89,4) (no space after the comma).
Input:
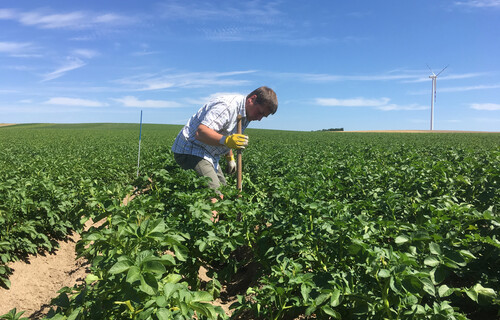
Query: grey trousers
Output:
(203,167)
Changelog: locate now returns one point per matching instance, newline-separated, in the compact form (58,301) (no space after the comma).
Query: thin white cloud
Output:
(51,21)
(15,47)
(149,82)
(71,64)
(9,91)
(130,101)
(219,94)
(395,107)
(265,21)
(228,34)
(449,77)
(263,34)
(70,20)
(463,76)
(486,106)
(355,102)
(471,88)
(110,18)
(18,67)
(201,101)
(26,55)
(489,121)
(460,89)
(396,75)
(479,3)
(73,102)
(85,53)
(323,77)
(144,53)
(6,14)
(380,104)
(255,11)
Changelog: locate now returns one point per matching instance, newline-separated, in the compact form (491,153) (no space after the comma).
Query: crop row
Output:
(340,226)
(47,176)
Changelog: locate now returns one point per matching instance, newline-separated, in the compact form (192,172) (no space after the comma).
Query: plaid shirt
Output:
(221,115)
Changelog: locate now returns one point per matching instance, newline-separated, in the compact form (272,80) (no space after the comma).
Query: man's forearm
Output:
(208,136)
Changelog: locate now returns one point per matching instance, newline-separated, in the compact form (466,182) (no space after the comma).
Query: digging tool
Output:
(239,162)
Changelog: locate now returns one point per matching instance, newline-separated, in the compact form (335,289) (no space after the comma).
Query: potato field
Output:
(328,226)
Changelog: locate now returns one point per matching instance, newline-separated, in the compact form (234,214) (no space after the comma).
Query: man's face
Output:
(255,111)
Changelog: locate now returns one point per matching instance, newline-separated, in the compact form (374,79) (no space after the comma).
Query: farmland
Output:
(328,225)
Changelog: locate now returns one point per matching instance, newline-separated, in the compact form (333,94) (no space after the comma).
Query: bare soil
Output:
(36,280)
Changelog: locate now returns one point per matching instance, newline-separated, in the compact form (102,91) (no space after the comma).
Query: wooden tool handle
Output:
(239,162)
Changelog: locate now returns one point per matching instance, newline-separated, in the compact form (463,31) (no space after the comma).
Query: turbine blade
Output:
(442,70)
(430,69)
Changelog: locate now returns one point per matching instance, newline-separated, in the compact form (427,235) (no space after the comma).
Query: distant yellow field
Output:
(6,124)
(421,131)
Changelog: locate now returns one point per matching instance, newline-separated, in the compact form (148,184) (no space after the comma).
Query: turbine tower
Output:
(433,93)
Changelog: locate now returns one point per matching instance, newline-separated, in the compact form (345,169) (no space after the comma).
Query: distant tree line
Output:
(332,129)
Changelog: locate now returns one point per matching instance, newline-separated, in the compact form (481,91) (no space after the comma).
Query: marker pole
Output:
(139,155)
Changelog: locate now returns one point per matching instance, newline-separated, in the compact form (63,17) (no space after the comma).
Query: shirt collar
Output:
(242,112)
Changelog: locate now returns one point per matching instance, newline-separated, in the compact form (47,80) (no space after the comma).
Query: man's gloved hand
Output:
(231,164)
(235,141)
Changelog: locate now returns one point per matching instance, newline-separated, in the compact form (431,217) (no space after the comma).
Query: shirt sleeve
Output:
(217,117)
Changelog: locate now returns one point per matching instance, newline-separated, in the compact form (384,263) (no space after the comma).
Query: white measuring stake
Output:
(139,155)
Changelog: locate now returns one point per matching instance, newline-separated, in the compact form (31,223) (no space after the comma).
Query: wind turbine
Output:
(433,93)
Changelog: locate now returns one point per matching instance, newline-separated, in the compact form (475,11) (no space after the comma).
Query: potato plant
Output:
(335,226)
(48,174)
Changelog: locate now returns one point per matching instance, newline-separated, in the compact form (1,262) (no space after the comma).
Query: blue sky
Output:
(359,65)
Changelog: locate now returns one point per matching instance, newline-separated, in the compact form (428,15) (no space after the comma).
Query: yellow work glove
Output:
(235,141)
(231,164)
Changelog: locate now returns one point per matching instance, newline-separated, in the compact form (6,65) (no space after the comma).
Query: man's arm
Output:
(213,138)
(208,136)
